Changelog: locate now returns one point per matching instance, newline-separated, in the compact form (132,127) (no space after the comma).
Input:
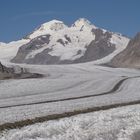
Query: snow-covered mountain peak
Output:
(48,28)
(56,43)
(58,27)
(54,25)
(82,22)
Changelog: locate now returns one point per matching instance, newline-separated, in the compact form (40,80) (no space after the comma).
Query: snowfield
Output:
(115,124)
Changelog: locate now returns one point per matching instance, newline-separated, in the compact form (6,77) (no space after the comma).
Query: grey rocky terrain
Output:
(12,73)
(130,57)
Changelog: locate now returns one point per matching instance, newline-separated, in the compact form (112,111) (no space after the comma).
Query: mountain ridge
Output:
(54,42)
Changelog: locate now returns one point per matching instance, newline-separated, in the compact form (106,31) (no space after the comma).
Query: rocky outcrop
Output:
(34,44)
(4,69)
(13,73)
(5,72)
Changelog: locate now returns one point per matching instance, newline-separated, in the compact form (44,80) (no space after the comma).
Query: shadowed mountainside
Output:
(130,57)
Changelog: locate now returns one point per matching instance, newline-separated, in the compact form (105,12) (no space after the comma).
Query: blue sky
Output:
(20,17)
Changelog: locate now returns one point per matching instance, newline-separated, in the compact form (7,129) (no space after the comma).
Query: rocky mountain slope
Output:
(6,72)
(130,57)
(56,43)
(4,69)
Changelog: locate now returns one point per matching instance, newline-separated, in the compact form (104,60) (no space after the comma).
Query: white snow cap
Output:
(54,25)
(2,44)
(81,22)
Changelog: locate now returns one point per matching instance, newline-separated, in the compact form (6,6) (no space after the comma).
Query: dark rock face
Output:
(4,69)
(5,72)
(61,42)
(68,38)
(43,58)
(97,49)
(34,44)
(130,57)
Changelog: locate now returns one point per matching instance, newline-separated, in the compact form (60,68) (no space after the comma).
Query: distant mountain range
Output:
(56,43)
